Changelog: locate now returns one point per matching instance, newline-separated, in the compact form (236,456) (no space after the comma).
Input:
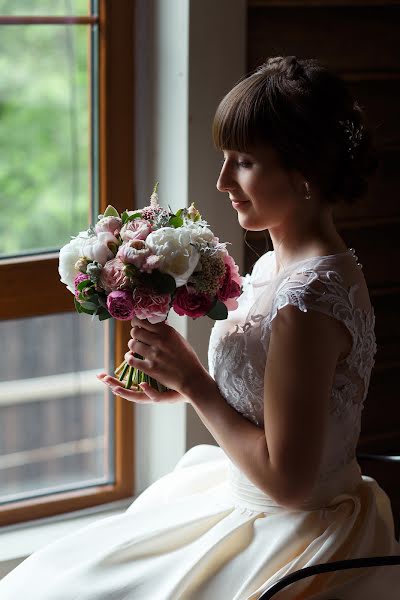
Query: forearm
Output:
(242,441)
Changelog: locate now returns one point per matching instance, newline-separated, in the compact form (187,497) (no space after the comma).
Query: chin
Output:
(251,224)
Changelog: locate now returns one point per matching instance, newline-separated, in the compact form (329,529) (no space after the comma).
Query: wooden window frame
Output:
(116,186)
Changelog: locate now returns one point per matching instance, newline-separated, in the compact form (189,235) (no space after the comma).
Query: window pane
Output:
(44,134)
(56,422)
(44,7)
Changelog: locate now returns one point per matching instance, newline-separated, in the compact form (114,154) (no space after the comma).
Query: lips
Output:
(239,205)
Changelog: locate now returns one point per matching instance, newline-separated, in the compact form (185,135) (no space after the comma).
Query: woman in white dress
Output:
(288,375)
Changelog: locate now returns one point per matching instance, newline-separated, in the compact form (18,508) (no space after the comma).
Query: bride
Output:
(286,383)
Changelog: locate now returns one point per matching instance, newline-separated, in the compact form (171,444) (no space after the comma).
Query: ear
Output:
(297,181)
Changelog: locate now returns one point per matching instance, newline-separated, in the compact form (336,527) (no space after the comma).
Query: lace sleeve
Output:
(323,291)
(326,292)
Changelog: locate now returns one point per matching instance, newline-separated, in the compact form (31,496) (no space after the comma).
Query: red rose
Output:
(188,302)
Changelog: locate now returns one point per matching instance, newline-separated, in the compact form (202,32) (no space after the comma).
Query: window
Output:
(66,132)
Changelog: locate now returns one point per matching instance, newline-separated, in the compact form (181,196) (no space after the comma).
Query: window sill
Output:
(18,541)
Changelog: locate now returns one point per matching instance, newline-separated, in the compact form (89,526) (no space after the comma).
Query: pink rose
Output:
(112,276)
(137,229)
(120,305)
(234,269)
(78,279)
(150,306)
(111,224)
(188,302)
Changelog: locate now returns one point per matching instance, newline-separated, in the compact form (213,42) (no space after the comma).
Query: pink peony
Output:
(112,276)
(150,306)
(111,224)
(78,279)
(188,302)
(120,305)
(137,229)
(134,252)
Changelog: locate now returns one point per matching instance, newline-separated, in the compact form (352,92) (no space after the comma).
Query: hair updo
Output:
(296,105)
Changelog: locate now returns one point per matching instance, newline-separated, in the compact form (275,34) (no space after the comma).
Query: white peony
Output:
(199,234)
(179,258)
(97,247)
(68,256)
(85,245)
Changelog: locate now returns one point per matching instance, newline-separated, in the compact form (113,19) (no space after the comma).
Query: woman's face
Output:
(263,188)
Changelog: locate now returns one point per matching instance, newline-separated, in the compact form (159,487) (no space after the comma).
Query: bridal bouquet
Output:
(142,263)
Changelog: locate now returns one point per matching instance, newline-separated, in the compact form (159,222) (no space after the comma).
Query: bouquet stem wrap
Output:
(132,376)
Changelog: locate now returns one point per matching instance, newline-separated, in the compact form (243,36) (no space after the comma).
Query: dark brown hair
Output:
(295,106)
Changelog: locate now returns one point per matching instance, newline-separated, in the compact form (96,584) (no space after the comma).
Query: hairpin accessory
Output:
(354,135)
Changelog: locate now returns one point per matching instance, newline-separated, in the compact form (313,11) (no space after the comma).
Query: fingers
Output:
(143,335)
(118,389)
(139,347)
(169,396)
(145,324)
(148,393)
(108,379)
(144,364)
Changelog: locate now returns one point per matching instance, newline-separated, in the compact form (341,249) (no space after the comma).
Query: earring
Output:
(308,195)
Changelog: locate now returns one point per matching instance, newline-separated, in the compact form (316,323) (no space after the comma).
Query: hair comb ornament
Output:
(354,135)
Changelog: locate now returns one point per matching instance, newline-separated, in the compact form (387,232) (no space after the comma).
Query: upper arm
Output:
(303,351)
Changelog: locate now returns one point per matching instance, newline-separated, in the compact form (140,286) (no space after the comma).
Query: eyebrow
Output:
(237,152)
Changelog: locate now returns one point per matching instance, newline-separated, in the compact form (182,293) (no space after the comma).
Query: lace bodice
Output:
(238,347)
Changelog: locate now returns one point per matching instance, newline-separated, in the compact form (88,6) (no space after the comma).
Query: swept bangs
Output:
(241,119)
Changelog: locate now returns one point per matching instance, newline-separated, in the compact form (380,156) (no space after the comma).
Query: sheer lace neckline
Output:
(318,257)
(275,275)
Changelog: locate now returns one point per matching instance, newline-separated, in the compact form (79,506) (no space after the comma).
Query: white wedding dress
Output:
(204,531)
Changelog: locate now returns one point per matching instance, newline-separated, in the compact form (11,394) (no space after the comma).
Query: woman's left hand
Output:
(167,357)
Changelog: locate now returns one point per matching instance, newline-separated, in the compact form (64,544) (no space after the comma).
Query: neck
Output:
(304,237)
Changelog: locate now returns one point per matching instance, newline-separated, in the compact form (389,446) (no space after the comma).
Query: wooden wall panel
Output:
(377,246)
(348,38)
(387,326)
(382,199)
(380,97)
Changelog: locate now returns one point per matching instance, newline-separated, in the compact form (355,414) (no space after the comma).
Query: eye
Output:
(244,164)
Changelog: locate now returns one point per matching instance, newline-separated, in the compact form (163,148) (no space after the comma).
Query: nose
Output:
(224,181)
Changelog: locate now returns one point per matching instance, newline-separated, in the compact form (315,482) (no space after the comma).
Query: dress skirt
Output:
(205,532)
